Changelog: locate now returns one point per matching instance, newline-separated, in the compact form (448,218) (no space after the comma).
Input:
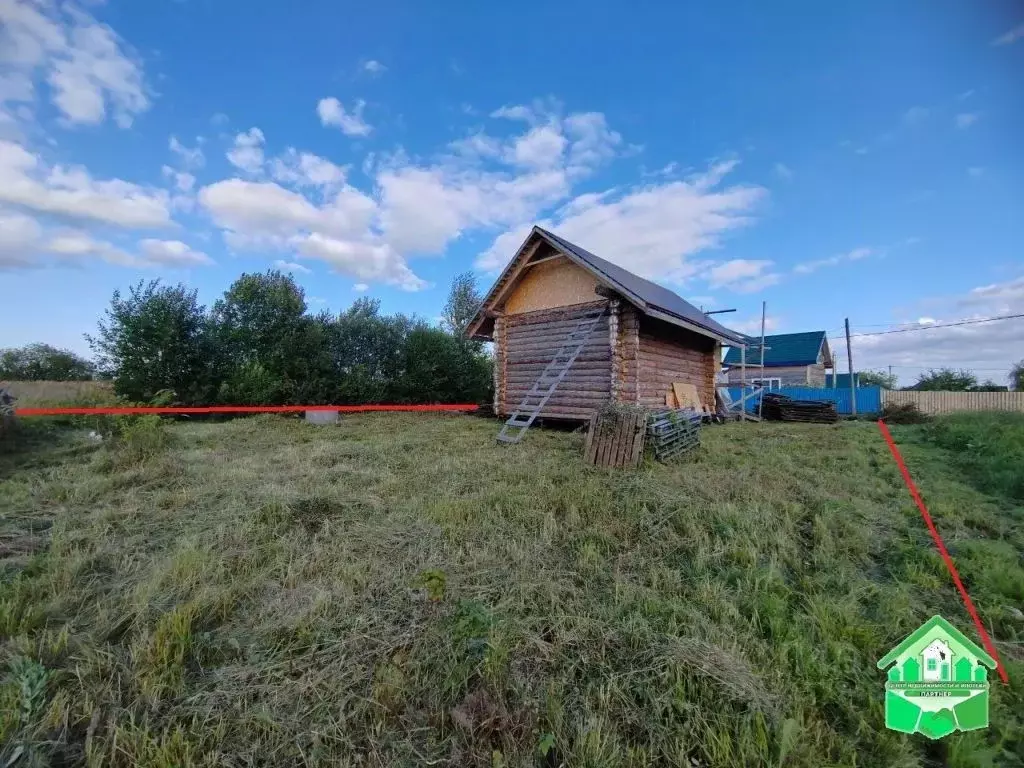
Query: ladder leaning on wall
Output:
(546,384)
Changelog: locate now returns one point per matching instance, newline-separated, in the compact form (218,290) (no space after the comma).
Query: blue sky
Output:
(843,159)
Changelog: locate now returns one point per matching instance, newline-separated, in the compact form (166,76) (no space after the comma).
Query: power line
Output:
(941,325)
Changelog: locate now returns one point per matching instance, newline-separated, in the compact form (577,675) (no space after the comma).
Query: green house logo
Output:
(938,682)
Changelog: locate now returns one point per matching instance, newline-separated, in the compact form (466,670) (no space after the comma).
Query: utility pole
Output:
(849,361)
(760,400)
(743,380)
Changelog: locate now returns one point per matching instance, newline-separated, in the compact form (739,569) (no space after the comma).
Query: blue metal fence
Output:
(869,399)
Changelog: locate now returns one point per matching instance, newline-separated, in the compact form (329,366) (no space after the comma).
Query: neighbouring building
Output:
(647,339)
(790,360)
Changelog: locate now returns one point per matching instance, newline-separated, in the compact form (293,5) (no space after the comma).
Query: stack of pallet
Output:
(781,408)
(672,432)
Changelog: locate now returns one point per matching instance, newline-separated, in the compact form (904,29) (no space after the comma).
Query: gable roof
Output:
(650,298)
(782,349)
(937,621)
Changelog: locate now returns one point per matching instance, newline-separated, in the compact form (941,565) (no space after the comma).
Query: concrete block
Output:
(322,417)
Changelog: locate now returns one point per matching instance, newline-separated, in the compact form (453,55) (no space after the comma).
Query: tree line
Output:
(260,345)
(946,380)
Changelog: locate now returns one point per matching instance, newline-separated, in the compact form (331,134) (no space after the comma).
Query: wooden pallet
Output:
(615,439)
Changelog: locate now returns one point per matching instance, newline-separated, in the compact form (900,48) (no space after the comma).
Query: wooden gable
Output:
(550,283)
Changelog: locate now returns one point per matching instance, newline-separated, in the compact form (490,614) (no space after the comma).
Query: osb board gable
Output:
(554,283)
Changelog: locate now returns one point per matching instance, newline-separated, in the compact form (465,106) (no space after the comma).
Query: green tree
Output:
(261,331)
(1017,376)
(877,379)
(367,351)
(41,362)
(441,368)
(157,337)
(946,380)
(464,300)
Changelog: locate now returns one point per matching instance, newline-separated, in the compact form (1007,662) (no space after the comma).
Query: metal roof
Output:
(649,297)
(781,349)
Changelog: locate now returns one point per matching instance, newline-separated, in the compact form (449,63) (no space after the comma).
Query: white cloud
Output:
(988,349)
(172,253)
(26,182)
(812,266)
(542,147)
(742,275)
(333,114)
(73,245)
(90,71)
(650,230)
(291,266)
(306,169)
(374,67)
(19,236)
(514,113)
(191,158)
(783,171)
(339,231)
(183,181)
(591,141)
(966,119)
(1010,37)
(247,152)
(360,259)
(360,287)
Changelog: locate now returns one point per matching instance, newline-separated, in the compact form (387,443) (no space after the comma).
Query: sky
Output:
(860,160)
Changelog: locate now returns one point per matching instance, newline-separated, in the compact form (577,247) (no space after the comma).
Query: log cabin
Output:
(647,339)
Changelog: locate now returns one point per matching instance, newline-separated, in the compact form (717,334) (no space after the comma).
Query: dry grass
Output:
(399,590)
(40,394)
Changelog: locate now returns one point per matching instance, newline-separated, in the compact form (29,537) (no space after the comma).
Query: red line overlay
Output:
(135,410)
(943,551)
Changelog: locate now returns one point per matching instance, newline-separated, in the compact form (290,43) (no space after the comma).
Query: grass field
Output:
(399,590)
(42,394)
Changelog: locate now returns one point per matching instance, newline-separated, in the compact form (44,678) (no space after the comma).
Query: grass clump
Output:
(903,413)
(400,590)
(988,446)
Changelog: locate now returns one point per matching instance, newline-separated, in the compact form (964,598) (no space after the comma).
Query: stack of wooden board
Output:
(781,408)
(672,432)
(683,395)
(615,438)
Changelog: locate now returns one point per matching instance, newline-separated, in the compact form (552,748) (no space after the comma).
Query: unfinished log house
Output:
(647,338)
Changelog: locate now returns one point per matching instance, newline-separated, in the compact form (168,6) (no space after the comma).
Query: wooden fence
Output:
(951,402)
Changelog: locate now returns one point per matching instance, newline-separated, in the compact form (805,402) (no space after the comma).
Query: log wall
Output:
(627,371)
(529,341)
(667,353)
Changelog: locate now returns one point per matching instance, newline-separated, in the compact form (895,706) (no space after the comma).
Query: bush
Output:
(259,346)
(905,413)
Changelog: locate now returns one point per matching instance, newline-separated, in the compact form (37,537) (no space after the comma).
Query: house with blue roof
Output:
(790,360)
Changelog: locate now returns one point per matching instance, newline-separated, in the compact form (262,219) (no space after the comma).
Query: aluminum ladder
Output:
(524,415)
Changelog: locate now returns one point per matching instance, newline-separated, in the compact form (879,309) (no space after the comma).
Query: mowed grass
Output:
(400,590)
